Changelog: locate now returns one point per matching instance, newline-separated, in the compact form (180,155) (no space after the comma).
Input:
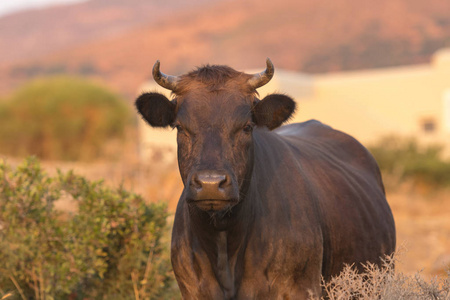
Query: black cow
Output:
(264,211)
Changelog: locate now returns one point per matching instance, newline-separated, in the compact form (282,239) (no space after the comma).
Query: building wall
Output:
(407,102)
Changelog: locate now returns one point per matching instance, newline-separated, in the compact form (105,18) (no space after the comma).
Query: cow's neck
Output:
(235,222)
(223,241)
(224,265)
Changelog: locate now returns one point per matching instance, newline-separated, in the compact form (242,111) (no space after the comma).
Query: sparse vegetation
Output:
(61,118)
(112,247)
(383,283)
(405,159)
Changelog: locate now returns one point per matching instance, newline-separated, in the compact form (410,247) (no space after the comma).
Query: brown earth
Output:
(423,229)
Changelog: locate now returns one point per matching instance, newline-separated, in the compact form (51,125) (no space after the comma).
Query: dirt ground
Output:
(422,215)
(423,229)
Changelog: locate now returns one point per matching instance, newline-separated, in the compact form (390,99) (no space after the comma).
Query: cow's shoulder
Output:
(304,128)
(317,138)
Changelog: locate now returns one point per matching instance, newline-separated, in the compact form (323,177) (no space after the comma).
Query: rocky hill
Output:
(118,41)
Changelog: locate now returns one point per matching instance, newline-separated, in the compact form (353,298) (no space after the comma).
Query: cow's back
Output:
(356,222)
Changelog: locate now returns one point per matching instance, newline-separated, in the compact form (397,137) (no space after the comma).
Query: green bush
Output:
(113,247)
(407,160)
(61,118)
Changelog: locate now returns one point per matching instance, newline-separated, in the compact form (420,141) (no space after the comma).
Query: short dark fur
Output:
(156,109)
(213,74)
(273,110)
(265,211)
(213,78)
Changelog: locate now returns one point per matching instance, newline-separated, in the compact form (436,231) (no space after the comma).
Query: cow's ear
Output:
(273,110)
(156,109)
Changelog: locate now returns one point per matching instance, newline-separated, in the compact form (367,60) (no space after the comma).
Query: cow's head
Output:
(215,110)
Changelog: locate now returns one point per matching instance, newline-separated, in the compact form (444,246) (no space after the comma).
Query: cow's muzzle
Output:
(212,190)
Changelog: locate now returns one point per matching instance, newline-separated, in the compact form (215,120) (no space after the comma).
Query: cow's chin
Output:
(211,205)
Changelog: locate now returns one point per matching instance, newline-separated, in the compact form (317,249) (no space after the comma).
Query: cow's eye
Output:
(248,128)
(178,127)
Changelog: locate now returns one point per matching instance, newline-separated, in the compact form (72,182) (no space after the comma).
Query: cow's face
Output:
(215,119)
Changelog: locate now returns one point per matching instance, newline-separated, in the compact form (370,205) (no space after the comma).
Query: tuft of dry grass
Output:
(384,283)
(6,296)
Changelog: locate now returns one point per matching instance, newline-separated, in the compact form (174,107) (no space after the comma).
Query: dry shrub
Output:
(383,283)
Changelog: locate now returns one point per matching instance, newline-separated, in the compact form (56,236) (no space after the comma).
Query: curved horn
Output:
(166,81)
(260,79)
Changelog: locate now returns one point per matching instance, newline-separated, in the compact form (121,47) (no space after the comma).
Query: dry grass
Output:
(8,295)
(384,283)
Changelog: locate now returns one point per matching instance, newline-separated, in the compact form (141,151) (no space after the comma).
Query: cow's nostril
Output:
(224,182)
(195,182)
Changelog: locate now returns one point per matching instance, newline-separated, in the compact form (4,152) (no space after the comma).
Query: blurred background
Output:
(70,71)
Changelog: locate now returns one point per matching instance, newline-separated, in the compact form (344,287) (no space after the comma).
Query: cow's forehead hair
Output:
(222,109)
(214,79)
(214,94)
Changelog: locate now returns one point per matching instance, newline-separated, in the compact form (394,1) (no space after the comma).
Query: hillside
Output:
(38,32)
(319,36)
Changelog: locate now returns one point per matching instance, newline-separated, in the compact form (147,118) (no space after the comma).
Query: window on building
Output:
(428,125)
